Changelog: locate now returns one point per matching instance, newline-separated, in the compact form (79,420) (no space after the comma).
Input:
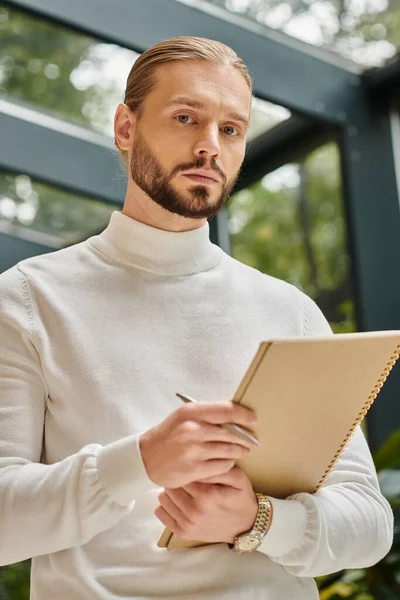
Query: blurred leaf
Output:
(388,455)
(394,503)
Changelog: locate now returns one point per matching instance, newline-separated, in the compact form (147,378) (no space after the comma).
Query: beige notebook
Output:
(309,393)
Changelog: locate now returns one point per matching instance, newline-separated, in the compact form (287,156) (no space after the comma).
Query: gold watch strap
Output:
(262,522)
(263,518)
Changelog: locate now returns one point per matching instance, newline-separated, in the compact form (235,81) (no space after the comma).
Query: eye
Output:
(181,117)
(231,131)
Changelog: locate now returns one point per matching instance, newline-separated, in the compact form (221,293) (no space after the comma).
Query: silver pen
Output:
(236,429)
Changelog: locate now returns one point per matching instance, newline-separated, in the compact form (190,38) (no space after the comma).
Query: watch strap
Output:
(263,516)
(261,524)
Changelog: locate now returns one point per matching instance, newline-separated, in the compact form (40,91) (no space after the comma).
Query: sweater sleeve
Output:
(347,523)
(48,508)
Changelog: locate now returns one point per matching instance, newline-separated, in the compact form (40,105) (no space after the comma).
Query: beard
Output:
(155,181)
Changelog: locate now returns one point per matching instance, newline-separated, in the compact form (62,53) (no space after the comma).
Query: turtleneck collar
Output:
(164,252)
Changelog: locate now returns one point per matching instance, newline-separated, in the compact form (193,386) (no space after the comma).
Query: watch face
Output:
(249,543)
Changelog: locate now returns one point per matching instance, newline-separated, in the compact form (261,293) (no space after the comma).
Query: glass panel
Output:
(61,71)
(291,225)
(46,214)
(264,116)
(395,127)
(84,84)
(364,31)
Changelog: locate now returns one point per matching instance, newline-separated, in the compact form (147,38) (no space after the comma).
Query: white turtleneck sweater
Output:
(96,339)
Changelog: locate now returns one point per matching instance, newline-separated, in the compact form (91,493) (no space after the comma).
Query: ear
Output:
(124,126)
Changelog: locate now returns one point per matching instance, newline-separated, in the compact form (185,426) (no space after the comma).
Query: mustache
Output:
(201,164)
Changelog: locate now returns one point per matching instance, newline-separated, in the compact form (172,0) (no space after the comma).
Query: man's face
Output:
(193,120)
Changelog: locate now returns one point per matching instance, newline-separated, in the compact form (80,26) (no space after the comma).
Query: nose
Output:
(208,144)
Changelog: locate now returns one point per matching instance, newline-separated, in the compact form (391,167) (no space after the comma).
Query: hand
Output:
(216,509)
(190,443)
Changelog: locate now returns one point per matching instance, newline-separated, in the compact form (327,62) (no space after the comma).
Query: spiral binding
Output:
(375,391)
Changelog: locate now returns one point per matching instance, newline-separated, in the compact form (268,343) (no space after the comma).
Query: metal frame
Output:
(13,249)
(334,99)
(28,139)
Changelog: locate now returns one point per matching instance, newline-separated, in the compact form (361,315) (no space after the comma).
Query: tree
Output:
(365,31)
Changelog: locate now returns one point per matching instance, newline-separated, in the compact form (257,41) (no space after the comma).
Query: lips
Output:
(200,178)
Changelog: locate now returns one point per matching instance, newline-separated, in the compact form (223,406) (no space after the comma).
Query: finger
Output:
(219,413)
(206,432)
(181,498)
(195,489)
(207,493)
(218,450)
(208,468)
(167,520)
(171,508)
(234,478)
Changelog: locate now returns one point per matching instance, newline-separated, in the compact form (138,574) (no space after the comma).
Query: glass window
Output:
(76,77)
(48,215)
(61,71)
(264,116)
(364,31)
(291,225)
(395,128)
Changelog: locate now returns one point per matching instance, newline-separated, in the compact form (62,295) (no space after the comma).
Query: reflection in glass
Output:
(59,217)
(291,225)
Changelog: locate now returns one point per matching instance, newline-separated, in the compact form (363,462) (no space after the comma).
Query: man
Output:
(97,454)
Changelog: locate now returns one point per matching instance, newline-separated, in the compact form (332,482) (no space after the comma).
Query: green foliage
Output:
(14,581)
(365,32)
(37,60)
(291,225)
(388,455)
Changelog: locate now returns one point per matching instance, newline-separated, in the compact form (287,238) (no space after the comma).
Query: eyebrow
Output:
(200,106)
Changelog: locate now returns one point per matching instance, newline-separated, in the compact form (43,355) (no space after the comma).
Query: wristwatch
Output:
(252,539)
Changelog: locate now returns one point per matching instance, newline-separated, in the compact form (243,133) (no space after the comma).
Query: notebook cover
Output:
(309,393)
